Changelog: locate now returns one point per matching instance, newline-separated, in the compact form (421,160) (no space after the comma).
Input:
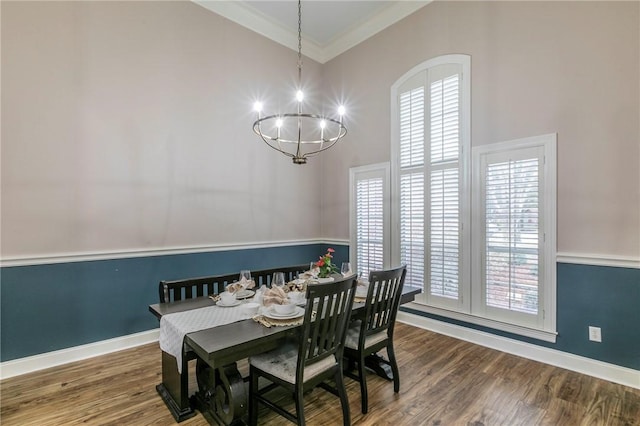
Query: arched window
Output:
(430,162)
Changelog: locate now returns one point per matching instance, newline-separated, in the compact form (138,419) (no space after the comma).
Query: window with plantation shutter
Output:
(497,271)
(369,218)
(515,228)
(432,127)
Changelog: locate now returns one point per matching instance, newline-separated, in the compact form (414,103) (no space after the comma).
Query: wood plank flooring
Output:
(444,381)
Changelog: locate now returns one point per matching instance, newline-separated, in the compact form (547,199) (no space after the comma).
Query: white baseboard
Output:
(602,370)
(51,359)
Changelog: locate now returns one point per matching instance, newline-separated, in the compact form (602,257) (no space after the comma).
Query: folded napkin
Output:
(274,296)
(296,285)
(240,285)
(312,273)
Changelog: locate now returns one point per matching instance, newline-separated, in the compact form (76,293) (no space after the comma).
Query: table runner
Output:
(173,327)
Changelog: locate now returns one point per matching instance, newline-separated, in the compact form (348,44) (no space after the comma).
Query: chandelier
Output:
(298,135)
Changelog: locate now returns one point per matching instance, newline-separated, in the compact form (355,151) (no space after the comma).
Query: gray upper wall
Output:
(127,125)
(536,68)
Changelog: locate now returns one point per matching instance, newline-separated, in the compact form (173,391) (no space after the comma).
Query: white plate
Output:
(224,305)
(270,313)
(326,280)
(245,294)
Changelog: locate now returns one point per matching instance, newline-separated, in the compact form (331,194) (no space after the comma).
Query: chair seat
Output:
(282,363)
(353,334)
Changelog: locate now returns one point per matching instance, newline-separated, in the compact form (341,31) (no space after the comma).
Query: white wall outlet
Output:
(595,334)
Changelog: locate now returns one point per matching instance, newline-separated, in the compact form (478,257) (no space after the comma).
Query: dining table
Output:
(222,392)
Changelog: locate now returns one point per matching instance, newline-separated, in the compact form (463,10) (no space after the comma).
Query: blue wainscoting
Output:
(48,307)
(601,296)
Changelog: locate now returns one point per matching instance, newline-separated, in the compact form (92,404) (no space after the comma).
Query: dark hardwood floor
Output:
(444,381)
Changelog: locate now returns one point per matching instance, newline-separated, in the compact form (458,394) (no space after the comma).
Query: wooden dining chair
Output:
(315,357)
(374,331)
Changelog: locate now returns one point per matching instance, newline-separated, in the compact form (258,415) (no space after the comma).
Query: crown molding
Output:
(250,18)
(371,27)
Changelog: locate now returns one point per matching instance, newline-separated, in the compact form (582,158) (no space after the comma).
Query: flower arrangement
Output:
(325,266)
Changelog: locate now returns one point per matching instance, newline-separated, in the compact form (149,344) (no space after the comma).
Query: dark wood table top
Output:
(160,309)
(224,344)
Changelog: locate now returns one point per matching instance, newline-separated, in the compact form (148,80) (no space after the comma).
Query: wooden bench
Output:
(188,288)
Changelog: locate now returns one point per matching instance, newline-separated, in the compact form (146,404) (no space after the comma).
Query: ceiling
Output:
(328,27)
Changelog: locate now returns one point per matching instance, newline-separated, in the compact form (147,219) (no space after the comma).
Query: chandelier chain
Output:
(300,41)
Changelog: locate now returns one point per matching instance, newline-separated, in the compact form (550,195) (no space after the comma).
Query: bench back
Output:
(170,291)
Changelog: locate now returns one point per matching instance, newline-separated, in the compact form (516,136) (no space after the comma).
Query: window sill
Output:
(547,336)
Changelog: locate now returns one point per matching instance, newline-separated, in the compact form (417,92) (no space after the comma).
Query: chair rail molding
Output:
(46,259)
(598,259)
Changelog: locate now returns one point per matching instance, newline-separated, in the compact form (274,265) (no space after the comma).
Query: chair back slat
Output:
(383,298)
(324,336)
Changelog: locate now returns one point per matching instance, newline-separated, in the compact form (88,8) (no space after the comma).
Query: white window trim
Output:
(548,143)
(379,169)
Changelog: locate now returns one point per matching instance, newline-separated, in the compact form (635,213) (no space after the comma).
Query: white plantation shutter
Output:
(370,218)
(511,235)
(444,244)
(412,236)
(445,238)
(412,128)
(445,119)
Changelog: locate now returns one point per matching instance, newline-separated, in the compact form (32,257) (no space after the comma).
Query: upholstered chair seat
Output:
(282,363)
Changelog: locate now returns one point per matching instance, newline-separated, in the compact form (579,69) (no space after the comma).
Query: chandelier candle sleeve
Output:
(299,135)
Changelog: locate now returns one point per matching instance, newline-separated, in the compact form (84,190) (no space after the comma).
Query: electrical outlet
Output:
(595,334)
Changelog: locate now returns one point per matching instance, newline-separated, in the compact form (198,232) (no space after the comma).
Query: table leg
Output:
(379,365)
(221,392)
(174,389)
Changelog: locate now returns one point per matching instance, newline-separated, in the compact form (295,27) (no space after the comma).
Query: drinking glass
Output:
(312,268)
(278,279)
(245,274)
(345,269)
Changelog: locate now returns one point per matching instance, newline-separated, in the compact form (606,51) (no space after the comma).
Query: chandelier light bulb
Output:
(299,95)
(279,123)
(323,124)
(341,110)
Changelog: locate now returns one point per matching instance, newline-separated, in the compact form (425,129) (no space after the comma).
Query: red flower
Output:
(330,250)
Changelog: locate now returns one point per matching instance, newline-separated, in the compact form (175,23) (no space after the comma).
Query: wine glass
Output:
(245,274)
(345,269)
(278,279)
